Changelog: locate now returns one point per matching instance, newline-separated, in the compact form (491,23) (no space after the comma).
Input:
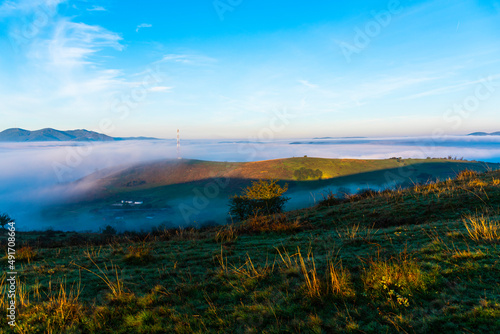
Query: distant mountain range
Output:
(484,134)
(21,135)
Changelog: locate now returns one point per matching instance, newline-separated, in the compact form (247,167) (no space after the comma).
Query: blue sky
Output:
(251,69)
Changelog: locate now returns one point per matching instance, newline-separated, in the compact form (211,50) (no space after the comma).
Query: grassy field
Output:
(424,259)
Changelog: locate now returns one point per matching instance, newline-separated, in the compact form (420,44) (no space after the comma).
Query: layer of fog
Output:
(34,175)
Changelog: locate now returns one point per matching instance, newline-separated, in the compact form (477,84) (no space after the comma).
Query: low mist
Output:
(34,176)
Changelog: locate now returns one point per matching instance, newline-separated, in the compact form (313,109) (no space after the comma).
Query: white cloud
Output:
(72,44)
(143,25)
(308,84)
(96,9)
(63,72)
(71,59)
(187,59)
(39,7)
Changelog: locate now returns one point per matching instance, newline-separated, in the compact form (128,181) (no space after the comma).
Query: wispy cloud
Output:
(143,25)
(347,94)
(308,84)
(63,66)
(72,44)
(382,87)
(10,7)
(187,59)
(449,88)
(96,9)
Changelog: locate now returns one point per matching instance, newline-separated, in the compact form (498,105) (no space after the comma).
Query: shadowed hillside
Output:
(192,192)
(417,260)
(172,172)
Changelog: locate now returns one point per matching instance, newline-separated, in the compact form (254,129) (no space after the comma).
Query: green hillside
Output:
(182,171)
(176,178)
(418,260)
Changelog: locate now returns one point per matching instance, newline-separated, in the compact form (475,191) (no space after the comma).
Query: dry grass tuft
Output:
(25,253)
(339,281)
(467,174)
(476,183)
(64,305)
(249,270)
(313,284)
(115,284)
(467,254)
(394,280)
(139,254)
(226,234)
(481,228)
(290,264)
(356,233)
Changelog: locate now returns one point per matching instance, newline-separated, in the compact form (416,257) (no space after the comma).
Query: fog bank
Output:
(34,175)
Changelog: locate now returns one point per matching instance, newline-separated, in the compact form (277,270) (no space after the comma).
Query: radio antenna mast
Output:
(178,145)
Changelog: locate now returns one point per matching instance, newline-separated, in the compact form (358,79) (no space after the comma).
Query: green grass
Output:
(401,261)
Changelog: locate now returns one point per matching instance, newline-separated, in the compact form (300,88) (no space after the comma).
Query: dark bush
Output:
(261,198)
(303,174)
(365,193)
(109,230)
(330,199)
